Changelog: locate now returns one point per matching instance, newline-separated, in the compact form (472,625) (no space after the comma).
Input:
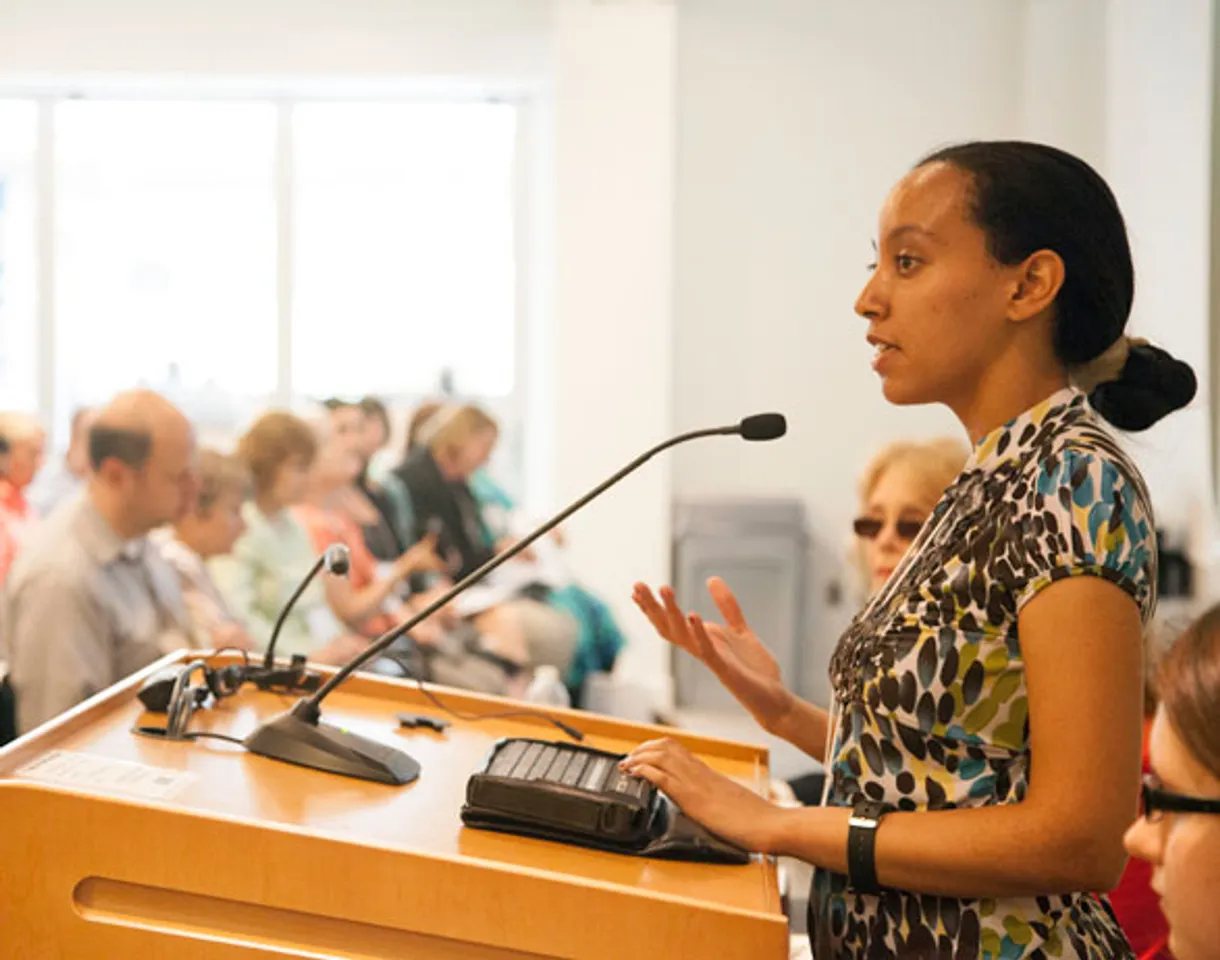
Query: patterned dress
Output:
(930,697)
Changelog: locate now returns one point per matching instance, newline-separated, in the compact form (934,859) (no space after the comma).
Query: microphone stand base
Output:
(320,746)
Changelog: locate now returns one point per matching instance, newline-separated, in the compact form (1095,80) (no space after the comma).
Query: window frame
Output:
(284,97)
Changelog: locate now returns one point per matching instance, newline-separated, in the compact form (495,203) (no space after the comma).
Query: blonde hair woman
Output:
(898,490)
(431,492)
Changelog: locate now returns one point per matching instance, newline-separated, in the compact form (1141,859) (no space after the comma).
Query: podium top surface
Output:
(223,781)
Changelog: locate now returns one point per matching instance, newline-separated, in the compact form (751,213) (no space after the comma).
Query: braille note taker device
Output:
(578,795)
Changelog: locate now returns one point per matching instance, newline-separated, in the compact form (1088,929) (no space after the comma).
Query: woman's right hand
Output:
(733,652)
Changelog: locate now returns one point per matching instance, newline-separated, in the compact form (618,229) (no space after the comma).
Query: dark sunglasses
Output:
(1158,801)
(869,528)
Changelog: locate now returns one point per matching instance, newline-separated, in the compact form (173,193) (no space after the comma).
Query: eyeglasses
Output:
(869,528)
(1158,801)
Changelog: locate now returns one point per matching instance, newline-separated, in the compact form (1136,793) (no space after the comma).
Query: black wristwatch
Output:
(862,845)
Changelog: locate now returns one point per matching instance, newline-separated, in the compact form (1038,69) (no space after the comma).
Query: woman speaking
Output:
(983,744)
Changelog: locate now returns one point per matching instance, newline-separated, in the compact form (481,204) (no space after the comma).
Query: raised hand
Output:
(733,651)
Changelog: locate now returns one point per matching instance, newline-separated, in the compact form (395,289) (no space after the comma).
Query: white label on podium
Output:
(85,770)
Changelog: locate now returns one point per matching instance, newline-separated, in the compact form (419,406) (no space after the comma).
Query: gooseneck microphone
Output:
(337,560)
(300,737)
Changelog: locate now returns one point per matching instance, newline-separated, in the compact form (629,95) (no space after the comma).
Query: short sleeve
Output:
(60,647)
(1085,514)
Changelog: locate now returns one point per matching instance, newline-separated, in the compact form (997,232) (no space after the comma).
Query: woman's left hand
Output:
(723,806)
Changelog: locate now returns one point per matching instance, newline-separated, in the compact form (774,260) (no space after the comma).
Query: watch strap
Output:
(862,845)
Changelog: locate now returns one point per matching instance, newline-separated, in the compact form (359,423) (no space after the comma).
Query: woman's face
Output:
(291,481)
(347,423)
(1183,848)
(936,301)
(900,505)
(373,435)
(25,459)
(221,525)
(459,462)
(338,461)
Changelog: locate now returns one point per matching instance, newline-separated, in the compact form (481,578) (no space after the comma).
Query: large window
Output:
(403,243)
(18,256)
(233,254)
(165,254)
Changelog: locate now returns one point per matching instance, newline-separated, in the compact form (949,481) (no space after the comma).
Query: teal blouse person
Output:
(600,639)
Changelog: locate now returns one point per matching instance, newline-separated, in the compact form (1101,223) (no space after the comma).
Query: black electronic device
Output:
(575,794)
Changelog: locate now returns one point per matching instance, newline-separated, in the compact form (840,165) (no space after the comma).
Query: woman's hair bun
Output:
(1153,383)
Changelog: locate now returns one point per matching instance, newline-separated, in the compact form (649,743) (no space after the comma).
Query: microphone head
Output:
(763,426)
(337,559)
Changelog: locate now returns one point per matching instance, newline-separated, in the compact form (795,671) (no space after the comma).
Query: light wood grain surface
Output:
(257,857)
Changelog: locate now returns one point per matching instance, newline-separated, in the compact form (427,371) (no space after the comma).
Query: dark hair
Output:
(337,403)
(1028,197)
(1188,684)
(127,445)
(374,407)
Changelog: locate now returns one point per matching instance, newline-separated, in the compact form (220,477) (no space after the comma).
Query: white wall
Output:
(614,141)
(794,120)
(1158,160)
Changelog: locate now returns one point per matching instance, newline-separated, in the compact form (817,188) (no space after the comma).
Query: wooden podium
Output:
(248,857)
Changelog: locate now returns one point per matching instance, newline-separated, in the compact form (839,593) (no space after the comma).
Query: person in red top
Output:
(26,443)
(372,598)
(1134,901)
(1178,832)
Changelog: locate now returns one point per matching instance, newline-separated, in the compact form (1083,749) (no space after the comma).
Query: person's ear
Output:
(112,472)
(1036,282)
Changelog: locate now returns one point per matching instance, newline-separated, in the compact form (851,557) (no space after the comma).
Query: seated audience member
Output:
(362,499)
(898,490)
(208,530)
(378,457)
(275,553)
(600,639)
(88,600)
(430,493)
(26,440)
(58,481)
(484,652)
(1135,902)
(368,600)
(1179,831)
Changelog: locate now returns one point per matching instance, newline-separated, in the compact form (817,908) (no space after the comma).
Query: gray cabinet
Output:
(760,549)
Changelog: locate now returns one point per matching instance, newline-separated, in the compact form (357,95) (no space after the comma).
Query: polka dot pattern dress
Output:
(931,708)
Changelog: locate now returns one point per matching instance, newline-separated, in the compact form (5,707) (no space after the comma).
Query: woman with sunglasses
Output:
(900,488)
(1179,832)
(983,741)
(898,491)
